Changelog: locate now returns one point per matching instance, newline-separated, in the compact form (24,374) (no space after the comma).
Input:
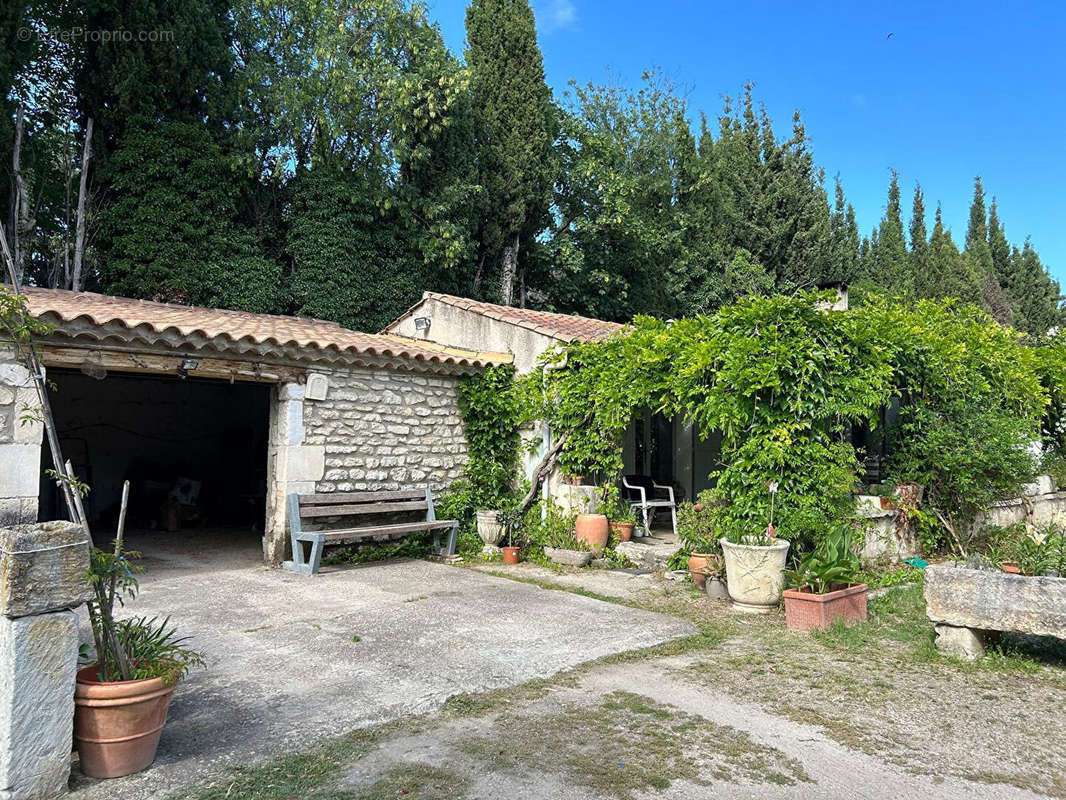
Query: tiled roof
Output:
(567,327)
(101,317)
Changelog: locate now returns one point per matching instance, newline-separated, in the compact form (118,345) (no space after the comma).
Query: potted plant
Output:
(509,521)
(121,700)
(825,585)
(696,530)
(754,566)
(622,520)
(563,547)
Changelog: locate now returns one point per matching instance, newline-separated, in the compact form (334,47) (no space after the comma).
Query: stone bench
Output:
(964,604)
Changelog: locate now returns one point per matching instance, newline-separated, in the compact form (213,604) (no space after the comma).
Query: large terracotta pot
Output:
(592,528)
(117,725)
(510,554)
(806,611)
(623,529)
(489,528)
(754,574)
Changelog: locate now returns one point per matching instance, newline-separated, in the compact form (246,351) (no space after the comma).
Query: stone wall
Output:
(20,444)
(375,429)
(387,429)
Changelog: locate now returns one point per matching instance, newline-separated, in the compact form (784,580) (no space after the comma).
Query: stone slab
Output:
(20,469)
(995,601)
(38,659)
(42,568)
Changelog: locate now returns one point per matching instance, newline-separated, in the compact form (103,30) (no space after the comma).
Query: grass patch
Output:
(626,744)
(405,781)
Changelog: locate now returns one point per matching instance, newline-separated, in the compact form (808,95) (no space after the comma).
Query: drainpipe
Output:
(546,437)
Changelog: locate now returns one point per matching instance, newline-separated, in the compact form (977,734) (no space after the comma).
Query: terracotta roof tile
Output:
(102,316)
(567,327)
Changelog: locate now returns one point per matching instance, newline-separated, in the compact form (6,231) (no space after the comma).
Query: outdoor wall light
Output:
(422,323)
(186,366)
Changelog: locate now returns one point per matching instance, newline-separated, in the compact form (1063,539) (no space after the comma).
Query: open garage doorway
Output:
(195,454)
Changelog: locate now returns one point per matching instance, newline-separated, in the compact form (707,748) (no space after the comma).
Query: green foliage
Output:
(554,529)
(832,564)
(350,261)
(489,406)
(970,404)
(17,325)
(1038,551)
(514,126)
(171,233)
(697,523)
(155,650)
(488,402)
(147,648)
(784,380)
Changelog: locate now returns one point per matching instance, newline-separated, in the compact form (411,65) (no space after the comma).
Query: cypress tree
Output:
(514,129)
(947,273)
(919,244)
(998,247)
(1035,297)
(890,267)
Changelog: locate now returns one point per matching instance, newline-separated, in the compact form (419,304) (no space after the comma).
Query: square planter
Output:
(806,611)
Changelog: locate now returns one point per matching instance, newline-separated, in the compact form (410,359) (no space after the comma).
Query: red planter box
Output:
(805,611)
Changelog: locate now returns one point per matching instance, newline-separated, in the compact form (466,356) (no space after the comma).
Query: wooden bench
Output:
(362,504)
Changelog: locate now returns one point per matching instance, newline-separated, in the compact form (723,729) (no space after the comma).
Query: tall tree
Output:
(998,247)
(890,263)
(1035,297)
(514,126)
(919,243)
(947,273)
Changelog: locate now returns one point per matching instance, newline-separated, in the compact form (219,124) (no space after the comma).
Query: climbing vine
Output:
(784,380)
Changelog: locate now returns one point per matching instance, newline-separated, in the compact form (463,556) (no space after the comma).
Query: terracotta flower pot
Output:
(700,565)
(623,529)
(806,611)
(592,528)
(117,725)
(510,554)
(1013,567)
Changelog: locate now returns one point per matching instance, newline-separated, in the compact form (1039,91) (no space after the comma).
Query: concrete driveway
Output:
(293,659)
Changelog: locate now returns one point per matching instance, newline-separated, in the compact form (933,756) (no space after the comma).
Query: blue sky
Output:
(958,90)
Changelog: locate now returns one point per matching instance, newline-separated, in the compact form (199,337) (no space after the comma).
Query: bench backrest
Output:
(348,504)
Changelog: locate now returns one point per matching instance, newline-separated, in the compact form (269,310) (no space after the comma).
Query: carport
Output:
(214,416)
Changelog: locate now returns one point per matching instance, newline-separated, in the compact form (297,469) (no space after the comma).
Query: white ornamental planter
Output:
(754,575)
(489,528)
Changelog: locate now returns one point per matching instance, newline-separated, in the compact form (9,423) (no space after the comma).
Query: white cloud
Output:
(556,15)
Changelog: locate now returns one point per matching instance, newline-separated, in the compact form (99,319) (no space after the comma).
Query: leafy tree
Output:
(514,126)
(350,260)
(169,234)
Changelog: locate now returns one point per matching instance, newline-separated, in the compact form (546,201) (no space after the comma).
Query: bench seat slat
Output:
(361,497)
(355,534)
(360,508)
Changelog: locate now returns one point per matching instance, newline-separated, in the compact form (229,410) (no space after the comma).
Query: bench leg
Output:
(315,558)
(453,535)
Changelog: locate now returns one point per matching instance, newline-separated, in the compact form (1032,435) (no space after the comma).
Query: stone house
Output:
(665,448)
(226,412)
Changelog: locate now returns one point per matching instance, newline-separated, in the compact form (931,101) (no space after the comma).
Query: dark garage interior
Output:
(194,451)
